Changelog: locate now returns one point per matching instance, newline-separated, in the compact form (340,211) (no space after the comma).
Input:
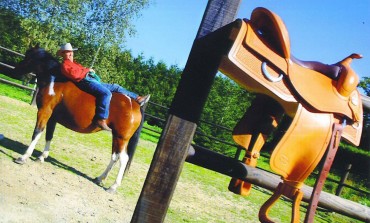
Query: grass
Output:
(201,195)
(13,91)
(150,133)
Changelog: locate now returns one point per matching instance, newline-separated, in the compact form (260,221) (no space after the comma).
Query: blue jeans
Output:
(103,94)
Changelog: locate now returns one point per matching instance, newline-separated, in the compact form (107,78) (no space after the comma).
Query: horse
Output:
(61,101)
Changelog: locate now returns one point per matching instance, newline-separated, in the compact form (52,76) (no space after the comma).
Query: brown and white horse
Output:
(60,101)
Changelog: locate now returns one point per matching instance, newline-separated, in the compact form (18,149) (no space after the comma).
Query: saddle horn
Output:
(348,79)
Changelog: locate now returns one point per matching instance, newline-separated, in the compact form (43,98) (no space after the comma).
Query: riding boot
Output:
(142,100)
(102,124)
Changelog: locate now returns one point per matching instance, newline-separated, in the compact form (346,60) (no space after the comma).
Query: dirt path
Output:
(61,188)
(39,192)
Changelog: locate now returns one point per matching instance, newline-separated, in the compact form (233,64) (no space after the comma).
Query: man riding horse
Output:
(87,80)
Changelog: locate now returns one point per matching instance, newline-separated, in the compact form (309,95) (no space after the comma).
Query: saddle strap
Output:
(329,158)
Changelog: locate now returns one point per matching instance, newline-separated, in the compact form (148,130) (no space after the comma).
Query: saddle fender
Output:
(251,133)
(302,146)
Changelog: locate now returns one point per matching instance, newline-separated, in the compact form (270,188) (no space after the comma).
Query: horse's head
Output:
(40,62)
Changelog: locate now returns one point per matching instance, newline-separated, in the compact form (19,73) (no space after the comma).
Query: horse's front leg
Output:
(50,128)
(43,116)
(35,138)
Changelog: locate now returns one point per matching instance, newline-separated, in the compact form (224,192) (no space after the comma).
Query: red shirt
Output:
(74,71)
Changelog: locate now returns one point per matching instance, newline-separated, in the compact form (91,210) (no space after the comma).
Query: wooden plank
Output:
(218,13)
(6,49)
(234,168)
(12,67)
(15,84)
(365,102)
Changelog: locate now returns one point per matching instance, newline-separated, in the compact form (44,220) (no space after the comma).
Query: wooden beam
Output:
(234,168)
(164,171)
(18,85)
(365,102)
(218,13)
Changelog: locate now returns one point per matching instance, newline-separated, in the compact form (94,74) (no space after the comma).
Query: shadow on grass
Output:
(20,148)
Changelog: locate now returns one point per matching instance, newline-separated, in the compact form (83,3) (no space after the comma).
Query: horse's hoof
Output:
(97,181)
(40,159)
(20,161)
(111,190)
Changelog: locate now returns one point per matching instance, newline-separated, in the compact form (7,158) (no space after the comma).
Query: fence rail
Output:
(32,89)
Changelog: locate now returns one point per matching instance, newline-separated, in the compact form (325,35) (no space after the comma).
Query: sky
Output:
(320,30)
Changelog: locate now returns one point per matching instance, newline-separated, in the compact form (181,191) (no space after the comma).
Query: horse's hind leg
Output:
(119,153)
(50,128)
(123,160)
(104,175)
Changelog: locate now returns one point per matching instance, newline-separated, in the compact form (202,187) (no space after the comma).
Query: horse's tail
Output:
(131,148)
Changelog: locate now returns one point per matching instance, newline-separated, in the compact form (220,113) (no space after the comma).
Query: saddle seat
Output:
(272,29)
(330,70)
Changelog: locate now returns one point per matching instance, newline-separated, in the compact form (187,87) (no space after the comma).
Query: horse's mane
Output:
(51,65)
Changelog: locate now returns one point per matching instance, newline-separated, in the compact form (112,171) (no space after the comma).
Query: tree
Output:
(97,22)
(226,104)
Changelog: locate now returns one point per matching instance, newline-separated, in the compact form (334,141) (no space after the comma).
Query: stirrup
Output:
(287,190)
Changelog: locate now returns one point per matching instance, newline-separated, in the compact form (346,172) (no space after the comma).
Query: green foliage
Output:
(85,22)
(10,27)
(365,85)
(226,104)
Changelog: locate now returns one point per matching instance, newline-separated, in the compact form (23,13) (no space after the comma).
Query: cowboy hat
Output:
(65,47)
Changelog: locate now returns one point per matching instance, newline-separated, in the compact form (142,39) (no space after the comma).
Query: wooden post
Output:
(34,95)
(365,102)
(185,112)
(343,179)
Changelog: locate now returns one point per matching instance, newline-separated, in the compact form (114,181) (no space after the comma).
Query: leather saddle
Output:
(316,96)
(311,80)
(260,60)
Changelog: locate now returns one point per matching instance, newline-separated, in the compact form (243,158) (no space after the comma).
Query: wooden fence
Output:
(23,86)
